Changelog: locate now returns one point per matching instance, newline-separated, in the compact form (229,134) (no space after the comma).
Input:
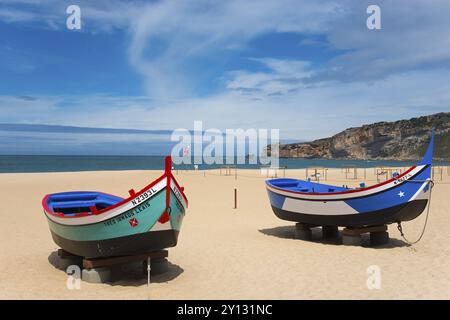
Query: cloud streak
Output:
(309,113)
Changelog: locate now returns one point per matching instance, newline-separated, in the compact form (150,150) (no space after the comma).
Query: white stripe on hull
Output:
(317,207)
(421,194)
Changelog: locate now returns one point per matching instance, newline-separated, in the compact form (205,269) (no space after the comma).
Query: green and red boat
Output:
(95,224)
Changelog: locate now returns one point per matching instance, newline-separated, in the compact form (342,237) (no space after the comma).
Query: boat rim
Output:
(167,174)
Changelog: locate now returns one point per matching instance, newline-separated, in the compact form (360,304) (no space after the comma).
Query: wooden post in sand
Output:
(437,171)
(235,198)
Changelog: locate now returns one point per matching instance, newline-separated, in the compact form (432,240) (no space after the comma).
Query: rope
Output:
(399,224)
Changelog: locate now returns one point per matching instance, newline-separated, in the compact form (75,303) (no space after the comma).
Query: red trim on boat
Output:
(165,216)
(348,191)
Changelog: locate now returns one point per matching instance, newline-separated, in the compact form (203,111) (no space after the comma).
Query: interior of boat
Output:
(305,186)
(72,203)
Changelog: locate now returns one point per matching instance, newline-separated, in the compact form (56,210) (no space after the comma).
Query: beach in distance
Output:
(227,253)
(73,163)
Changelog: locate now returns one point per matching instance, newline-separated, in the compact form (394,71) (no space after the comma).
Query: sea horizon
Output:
(78,163)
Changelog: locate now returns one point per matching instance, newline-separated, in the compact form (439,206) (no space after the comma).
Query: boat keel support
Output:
(303,231)
(65,260)
(378,235)
(96,275)
(330,232)
(103,270)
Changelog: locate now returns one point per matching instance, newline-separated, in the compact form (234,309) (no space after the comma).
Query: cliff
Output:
(399,140)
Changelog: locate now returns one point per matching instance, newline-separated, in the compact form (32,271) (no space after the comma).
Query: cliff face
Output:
(400,140)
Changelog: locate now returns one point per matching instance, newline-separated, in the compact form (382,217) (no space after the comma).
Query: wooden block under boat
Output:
(64,254)
(361,230)
(106,262)
(305,226)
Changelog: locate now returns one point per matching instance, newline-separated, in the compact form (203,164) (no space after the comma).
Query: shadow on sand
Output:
(127,280)
(287,232)
(53,259)
(120,278)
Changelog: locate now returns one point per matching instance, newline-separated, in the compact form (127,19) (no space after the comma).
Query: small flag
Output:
(186,151)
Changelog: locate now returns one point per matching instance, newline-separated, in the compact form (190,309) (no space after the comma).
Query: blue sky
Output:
(310,68)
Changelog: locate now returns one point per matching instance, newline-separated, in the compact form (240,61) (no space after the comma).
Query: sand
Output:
(225,253)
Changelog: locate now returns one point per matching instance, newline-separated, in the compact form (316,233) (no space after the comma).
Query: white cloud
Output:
(283,77)
(414,35)
(312,112)
(99,15)
(196,29)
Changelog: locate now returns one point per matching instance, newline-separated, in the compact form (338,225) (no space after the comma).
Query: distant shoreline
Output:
(64,163)
(371,159)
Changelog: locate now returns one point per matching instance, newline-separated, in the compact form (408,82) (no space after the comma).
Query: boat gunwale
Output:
(269,185)
(167,174)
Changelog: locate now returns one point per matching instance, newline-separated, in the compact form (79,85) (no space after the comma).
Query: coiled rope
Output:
(399,224)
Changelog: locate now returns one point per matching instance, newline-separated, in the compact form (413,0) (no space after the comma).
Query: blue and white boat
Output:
(402,198)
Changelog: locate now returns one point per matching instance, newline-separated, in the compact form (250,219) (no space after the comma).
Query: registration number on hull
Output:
(141,198)
(402,179)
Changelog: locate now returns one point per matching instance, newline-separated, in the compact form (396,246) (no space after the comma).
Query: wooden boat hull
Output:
(402,198)
(121,246)
(404,212)
(148,220)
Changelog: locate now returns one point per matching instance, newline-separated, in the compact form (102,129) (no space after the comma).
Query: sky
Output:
(308,68)
(63,140)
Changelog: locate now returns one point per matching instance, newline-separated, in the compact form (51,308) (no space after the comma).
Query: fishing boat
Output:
(96,224)
(401,198)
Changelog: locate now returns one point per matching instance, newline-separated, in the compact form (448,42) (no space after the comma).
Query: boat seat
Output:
(306,186)
(72,203)
(287,184)
(75,204)
(79,196)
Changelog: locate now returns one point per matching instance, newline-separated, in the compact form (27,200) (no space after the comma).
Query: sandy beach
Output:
(225,253)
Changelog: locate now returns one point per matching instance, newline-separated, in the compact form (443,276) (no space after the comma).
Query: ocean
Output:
(46,163)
